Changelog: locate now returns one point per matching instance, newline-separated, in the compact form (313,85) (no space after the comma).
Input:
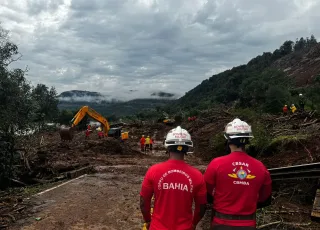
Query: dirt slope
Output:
(301,65)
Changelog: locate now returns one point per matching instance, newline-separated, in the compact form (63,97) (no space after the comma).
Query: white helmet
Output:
(300,94)
(178,136)
(237,129)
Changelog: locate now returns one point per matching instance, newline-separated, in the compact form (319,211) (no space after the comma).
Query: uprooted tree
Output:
(21,106)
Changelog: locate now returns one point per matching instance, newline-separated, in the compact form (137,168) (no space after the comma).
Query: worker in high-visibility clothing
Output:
(285,110)
(147,143)
(142,142)
(151,143)
(293,108)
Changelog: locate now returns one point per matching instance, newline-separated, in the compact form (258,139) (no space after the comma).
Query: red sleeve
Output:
(210,176)
(147,192)
(266,188)
(201,195)
(199,199)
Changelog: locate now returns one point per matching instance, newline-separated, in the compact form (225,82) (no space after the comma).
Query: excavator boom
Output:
(67,133)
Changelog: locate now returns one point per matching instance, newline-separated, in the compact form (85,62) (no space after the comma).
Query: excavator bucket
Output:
(66,133)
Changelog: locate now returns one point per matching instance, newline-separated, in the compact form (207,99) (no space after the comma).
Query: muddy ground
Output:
(105,200)
(109,197)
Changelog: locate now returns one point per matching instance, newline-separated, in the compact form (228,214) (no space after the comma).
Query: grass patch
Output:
(265,145)
(287,141)
(34,189)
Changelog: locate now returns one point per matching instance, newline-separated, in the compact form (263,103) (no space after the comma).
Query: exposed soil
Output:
(303,66)
(109,199)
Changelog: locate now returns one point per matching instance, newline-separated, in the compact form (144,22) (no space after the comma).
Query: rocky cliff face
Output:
(302,65)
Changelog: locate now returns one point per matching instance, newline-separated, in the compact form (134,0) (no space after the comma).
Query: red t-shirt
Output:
(142,140)
(239,182)
(100,134)
(87,132)
(175,185)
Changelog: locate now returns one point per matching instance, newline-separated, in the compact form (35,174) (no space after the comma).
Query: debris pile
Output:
(293,138)
(45,156)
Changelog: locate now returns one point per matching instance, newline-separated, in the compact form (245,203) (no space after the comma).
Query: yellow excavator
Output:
(66,133)
(167,120)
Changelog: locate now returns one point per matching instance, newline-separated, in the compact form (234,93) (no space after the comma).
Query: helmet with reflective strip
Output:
(178,136)
(237,129)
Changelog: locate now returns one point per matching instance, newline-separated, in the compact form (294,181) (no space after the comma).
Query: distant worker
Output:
(87,132)
(301,102)
(175,186)
(151,143)
(100,133)
(285,110)
(237,182)
(147,143)
(142,142)
(293,108)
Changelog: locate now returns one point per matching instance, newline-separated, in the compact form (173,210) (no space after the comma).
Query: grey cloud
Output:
(113,46)
(37,6)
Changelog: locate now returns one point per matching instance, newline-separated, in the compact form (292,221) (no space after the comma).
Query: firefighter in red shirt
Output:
(142,142)
(175,186)
(237,182)
(285,110)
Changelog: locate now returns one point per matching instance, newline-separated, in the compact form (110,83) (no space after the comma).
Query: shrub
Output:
(217,145)
(259,144)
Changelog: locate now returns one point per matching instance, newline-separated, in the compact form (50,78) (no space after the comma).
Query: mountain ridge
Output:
(266,82)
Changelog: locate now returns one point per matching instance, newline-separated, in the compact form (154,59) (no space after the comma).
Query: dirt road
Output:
(108,199)
(100,201)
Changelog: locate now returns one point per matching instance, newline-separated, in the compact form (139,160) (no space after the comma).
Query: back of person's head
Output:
(178,140)
(238,133)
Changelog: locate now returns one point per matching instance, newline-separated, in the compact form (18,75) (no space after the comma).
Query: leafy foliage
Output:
(255,85)
(46,103)
(313,93)
(20,105)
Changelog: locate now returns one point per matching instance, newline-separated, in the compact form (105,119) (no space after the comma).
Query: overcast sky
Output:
(114,46)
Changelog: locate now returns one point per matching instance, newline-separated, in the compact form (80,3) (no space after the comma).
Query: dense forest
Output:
(257,85)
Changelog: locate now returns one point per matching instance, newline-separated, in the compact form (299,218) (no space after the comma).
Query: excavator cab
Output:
(114,132)
(118,133)
(166,120)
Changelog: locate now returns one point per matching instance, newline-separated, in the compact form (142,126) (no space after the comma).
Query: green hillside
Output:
(262,83)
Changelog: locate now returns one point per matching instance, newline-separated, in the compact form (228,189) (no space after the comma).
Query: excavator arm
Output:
(79,116)
(95,115)
(66,134)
